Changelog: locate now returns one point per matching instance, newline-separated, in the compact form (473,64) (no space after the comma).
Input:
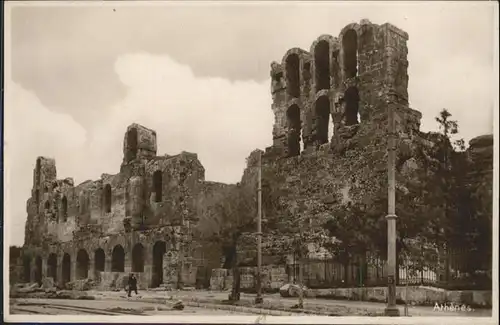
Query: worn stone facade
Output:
(330,132)
(148,219)
(329,148)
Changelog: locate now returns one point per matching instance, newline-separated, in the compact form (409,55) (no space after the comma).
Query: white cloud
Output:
(221,121)
(31,130)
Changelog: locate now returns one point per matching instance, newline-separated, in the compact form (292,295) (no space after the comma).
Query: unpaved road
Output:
(32,306)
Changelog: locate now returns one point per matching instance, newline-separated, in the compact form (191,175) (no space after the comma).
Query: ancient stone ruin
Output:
(329,148)
(140,220)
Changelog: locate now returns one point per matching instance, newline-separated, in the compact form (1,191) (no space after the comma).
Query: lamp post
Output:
(391,309)
(259,299)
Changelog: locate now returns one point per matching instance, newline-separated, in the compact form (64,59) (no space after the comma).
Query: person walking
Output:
(132,284)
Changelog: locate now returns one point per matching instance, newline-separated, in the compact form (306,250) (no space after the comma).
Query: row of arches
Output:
(83,263)
(322,113)
(325,64)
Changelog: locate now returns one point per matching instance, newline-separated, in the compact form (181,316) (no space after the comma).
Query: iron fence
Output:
(452,270)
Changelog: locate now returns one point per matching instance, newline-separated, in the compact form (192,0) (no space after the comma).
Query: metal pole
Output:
(391,309)
(259,299)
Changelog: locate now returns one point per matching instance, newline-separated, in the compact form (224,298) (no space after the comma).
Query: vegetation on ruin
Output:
(436,208)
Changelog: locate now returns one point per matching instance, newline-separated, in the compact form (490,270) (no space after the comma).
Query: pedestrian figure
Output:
(132,284)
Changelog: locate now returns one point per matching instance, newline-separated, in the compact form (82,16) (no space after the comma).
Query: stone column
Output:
(107,261)
(170,269)
(148,267)
(73,269)
(33,269)
(59,270)
(128,261)
(44,268)
(91,271)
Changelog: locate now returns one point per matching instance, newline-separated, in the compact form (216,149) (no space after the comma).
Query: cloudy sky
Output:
(199,75)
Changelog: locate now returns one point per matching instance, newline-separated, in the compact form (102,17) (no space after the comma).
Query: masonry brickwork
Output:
(329,148)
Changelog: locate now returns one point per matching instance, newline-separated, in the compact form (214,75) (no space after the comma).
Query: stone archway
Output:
(38,270)
(118,259)
(82,264)
(66,268)
(99,260)
(138,258)
(52,266)
(322,65)
(27,269)
(159,249)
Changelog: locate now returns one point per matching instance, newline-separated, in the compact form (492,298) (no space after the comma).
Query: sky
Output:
(198,74)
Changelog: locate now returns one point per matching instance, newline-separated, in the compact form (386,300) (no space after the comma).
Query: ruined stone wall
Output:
(341,82)
(153,200)
(363,71)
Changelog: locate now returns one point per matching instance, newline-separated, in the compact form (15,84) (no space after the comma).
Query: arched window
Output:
(27,269)
(132,144)
(47,205)
(322,65)
(66,268)
(350,45)
(159,250)
(82,264)
(158,185)
(293,75)
(64,209)
(38,270)
(52,266)
(351,99)
(322,119)
(118,259)
(107,198)
(99,260)
(294,126)
(138,258)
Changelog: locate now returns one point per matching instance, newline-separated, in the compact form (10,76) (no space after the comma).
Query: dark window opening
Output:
(138,258)
(322,119)
(38,270)
(83,203)
(132,144)
(64,209)
(351,99)
(159,250)
(82,264)
(322,65)
(66,268)
(350,46)
(52,266)
(107,198)
(293,75)
(293,117)
(27,269)
(307,71)
(118,259)
(47,205)
(158,185)
(99,260)
(45,189)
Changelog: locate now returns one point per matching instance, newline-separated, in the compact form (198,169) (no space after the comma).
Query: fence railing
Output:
(450,271)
